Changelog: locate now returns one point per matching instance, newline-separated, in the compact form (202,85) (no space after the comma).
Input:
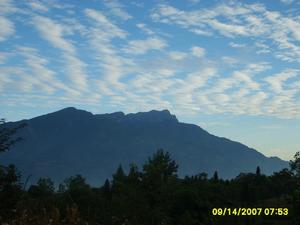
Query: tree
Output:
(283,182)
(6,134)
(258,172)
(201,176)
(10,190)
(295,169)
(215,176)
(295,164)
(106,189)
(119,176)
(160,167)
(119,179)
(44,188)
(77,182)
(10,185)
(79,193)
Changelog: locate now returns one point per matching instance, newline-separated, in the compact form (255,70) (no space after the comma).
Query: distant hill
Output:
(72,141)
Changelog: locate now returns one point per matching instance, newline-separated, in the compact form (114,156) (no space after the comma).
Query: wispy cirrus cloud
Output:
(277,81)
(54,33)
(7,28)
(242,20)
(117,9)
(101,34)
(197,51)
(176,55)
(7,7)
(145,28)
(287,1)
(110,30)
(236,45)
(38,5)
(138,47)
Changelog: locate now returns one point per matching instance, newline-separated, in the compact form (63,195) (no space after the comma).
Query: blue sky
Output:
(231,67)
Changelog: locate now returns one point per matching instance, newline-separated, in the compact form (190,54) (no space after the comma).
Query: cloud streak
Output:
(139,47)
(54,33)
(242,20)
(7,28)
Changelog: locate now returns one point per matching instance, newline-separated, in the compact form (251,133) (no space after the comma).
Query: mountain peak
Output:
(69,112)
(152,116)
(72,110)
(68,109)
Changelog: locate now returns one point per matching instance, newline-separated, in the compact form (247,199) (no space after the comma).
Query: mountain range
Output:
(73,141)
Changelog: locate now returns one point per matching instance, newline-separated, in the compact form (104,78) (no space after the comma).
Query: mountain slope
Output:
(71,141)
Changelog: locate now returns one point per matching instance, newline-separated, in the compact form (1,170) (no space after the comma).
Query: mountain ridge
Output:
(71,141)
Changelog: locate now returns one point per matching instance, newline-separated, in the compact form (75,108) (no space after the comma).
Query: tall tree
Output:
(258,171)
(119,176)
(44,188)
(215,176)
(295,164)
(160,167)
(10,185)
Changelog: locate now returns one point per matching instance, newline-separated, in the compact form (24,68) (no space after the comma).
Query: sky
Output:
(231,67)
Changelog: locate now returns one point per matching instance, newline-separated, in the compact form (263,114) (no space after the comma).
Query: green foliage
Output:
(119,177)
(295,164)
(152,196)
(10,190)
(10,185)
(215,177)
(7,134)
(160,168)
(44,188)
(258,172)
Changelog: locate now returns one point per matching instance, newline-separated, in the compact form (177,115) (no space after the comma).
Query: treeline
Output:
(151,196)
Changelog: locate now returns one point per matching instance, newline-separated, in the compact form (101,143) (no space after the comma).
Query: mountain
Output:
(72,141)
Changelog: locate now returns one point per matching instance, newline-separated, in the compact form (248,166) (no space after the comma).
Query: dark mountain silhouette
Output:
(72,141)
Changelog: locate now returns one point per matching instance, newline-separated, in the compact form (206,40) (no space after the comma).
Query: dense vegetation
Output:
(151,195)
